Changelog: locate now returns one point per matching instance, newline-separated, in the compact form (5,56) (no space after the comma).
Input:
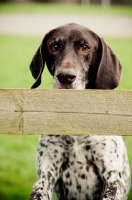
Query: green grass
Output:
(59,8)
(17,169)
(17,153)
(16,54)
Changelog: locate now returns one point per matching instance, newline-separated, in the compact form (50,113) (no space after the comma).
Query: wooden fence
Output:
(68,112)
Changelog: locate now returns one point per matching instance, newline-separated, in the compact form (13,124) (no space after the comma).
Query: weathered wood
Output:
(69,112)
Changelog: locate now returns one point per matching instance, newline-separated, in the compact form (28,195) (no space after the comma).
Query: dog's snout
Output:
(66,76)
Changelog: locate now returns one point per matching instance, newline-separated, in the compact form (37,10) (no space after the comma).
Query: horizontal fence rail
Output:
(67,112)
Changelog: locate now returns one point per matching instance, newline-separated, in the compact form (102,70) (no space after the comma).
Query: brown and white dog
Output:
(84,167)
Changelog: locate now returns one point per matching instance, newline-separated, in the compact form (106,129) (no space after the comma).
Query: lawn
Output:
(17,153)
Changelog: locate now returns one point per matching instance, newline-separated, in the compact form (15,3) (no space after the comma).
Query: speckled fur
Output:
(84,167)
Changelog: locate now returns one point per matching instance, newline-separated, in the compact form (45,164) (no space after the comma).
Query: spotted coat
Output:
(82,168)
(85,167)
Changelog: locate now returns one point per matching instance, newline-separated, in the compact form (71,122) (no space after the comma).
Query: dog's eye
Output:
(55,47)
(84,48)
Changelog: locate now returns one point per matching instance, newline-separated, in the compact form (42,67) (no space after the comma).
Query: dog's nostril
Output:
(66,78)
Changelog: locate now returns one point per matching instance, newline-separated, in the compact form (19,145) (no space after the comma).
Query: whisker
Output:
(92,77)
(50,83)
(48,78)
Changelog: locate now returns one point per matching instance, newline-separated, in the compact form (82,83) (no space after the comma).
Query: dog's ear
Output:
(109,69)
(37,65)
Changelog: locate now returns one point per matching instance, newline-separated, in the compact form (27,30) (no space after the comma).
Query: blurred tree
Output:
(103,2)
(85,2)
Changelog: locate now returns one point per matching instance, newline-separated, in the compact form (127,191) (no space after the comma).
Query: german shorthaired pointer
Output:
(84,167)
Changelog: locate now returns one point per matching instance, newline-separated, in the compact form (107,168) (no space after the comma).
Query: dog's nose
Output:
(66,76)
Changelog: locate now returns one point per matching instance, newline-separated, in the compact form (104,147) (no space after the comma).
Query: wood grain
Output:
(67,112)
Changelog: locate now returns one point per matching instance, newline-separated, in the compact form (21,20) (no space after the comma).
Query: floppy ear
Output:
(109,70)
(37,65)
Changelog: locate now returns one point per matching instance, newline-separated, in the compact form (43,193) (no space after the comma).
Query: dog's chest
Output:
(79,178)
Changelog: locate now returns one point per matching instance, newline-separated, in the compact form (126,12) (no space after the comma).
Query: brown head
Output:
(77,58)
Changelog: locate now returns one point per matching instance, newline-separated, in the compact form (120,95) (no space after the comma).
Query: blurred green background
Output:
(18,153)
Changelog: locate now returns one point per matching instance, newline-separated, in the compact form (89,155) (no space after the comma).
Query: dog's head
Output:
(77,58)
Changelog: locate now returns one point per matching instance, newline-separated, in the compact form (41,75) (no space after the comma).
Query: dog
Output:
(84,167)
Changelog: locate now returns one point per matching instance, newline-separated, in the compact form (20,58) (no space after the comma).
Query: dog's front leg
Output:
(108,154)
(112,163)
(114,190)
(49,162)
